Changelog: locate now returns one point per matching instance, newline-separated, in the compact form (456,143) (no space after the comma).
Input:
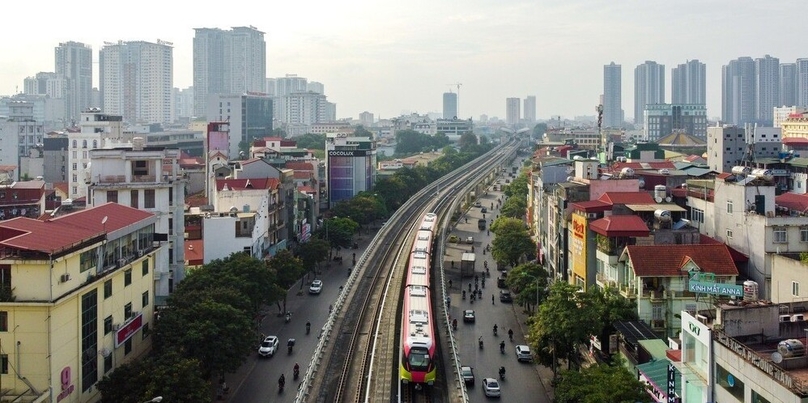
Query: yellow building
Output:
(76,300)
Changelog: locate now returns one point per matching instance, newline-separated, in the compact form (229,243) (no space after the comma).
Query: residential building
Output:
(290,83)
(512,112)
(149,179)
(19,134)
(689,83)
(454,128)
(612,96)
(227,62)
(77,299)
(55,154)
(314,86)
(331,127)
(74,63)
(738,97)
(366,119)
(767,88)
(649,87)
(530,109)
(660,120)
(449,105)
(788,84)
(183,101)
(780,114)
(250,117)
(725,147)
(97,130)
(136,80)
(299,110)
(802,82)
(350,166)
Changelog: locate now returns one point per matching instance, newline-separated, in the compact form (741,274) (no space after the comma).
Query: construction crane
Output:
(458,95)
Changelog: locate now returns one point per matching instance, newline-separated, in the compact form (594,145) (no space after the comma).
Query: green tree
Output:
(514,207)
(518,187)
(278,132)
(338,232)
(564,320)
(512,241)
(255,280)
(538,131)
(311,141)
(125,384)
(588,386)
(529,282)
(360,131)
(467,140)
(312,252)
(393,190)
(363,208)
(287,269)
(612,307)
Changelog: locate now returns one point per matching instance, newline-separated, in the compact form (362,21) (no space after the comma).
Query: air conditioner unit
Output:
(64,278)
(592,215)
(157,275)
(133,314)
(140,252)
(116,326)
(785,318)
(798,318)
(121,262)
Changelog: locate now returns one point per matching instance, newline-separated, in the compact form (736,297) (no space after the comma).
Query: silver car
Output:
(523,353)
(268,347)
(491,387)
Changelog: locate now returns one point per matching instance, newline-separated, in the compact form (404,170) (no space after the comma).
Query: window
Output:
(88,260)
(127,311)
(107,289)
(144,299)
(108,363)
(127,347)
(729,234)
(140,168)
(697,215)
(112,196)
(803,234)
(780,235)
(133,198)
(729,206)
(4,363)
(84,144)
(795,288)
(145,270)
(729,382)
(75,145)
(148,196)
(656,312)
(3,321)
(89,340)
(127,277)
(145,330)
(108,325)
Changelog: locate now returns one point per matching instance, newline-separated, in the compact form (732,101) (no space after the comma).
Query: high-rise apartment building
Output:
(767,88)
(74,62)
(512,112)
(19,133)
(97,130)
(530,108)
(228,62)
(788,84)
(249,115)
(689,83)
(314,86)
(136,80)
(738,101)
(290,83)
(612,95)
(449,105)
(366,119)
(661,120)
(802,82)
(649,87)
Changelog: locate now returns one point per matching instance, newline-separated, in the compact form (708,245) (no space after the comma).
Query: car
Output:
(316,287)
(454,239)
(505,296)
(470,240)
(491,387)
(483,210)
(268,347)
(478,204)
(523,353)
(468,315)
(467,374)
(501,280)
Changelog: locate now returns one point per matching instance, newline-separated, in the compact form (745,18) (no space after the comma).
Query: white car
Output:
(316,286)
(268,347)
(491,387)
(523,353)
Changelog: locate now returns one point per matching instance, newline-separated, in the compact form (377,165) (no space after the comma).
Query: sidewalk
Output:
(234,380)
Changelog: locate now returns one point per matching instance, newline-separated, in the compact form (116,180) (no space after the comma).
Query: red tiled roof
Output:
(627,198)
(34,184)
(667,260)
(795,140)
(242,184)
(195,252)
(737,256)
(792,201)
(61,186)
(679,192)
(593,206)
(620,225)
(302,175)
(63,232)
(644,165)
(723,175)
(674,355)
(196,200)
(300,166)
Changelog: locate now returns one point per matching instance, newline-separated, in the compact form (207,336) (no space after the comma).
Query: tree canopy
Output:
(338,231)
(512,242)
(170,375)
(413,142)
(514,207)
(588,386)
(529,282)
(363,208)
(311,141)
(360,131)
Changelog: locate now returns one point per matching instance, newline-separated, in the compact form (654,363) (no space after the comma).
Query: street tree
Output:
(338,232)
(589,386)
(312,252)
(612,307)
(518,187)
(565,319)
(514,207)
(363,208)
(392,190)
(538,131)
(311,141)
(467,140)
(360,131)
(512,242)
(529,282)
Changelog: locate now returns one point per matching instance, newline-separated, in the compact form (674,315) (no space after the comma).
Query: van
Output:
(481,223)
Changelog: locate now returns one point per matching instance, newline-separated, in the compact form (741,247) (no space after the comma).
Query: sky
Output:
(389,57)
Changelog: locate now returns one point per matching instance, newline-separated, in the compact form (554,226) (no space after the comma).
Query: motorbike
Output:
(296,372)
(487,272)
(281,383)
(495,330)
(308,327)
(480,340)
(464,294)
(502,373)
(288,316)
(510,334)
(502,347)
(290,345)
(454,324)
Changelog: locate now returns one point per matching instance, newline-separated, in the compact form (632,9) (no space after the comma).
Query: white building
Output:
(784,112)
(19,133)
(299,110)
(250,117)
(74,63)
(147,179)
(98,130)
(136,80)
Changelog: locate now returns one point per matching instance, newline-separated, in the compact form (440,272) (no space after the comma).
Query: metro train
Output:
(417,355)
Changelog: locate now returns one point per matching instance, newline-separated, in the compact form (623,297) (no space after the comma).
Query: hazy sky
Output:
(387,56)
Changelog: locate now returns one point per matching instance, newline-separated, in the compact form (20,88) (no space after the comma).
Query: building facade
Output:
(136,80)
(738,101)
(649,87)
(449,105)
(250,117)
(612,95)
(788,84)
(725,147)
(512,112)
(19,134)
(660,120)
(97,130)
(689,83)
(74,63)
(530,109)
(350,166)
(802,82)
(767,88)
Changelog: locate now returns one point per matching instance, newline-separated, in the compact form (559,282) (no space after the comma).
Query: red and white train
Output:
(418,322)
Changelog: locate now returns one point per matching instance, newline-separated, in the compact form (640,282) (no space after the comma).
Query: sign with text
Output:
(126,331)
(704,283)
(578,245)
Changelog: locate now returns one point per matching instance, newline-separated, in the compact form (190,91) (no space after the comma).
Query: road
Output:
(521,379)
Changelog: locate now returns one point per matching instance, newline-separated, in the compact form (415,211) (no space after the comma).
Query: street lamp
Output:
(157,399)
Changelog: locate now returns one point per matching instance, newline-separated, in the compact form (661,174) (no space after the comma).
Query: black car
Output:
(501,280)
(467,373)
(505,296)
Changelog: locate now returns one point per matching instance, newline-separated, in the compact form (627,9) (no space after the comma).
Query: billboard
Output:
(578,245)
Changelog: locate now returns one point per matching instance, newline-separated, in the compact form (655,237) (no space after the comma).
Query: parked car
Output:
(470,240)
(483,210)
(501,280)
(468,315)
(523,353)
(491,387)
(316,287)
(268,347)
(478,204)
(505,296)
(454,239)
(467,374)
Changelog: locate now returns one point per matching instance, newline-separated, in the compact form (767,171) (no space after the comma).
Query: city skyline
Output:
(416,51)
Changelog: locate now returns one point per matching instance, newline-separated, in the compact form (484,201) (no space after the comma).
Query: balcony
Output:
(112,179)
(144,178)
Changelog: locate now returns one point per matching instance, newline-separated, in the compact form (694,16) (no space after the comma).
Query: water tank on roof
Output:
(764,174)
(739,170)
(138,143)
(660,191)
(791,348)
(626,172)
(750,290)
(246,208)
(664,171)
(662,215)
(641,183)
(622,159)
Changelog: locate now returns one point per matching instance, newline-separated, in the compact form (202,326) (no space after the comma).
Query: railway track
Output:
(360,352)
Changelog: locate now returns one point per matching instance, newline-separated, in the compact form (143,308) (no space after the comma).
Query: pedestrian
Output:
(450,284)
(492,299)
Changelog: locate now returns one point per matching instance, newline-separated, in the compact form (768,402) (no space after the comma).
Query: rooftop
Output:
(669,260)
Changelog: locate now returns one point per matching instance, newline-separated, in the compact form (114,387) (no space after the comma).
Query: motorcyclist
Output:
(454,324)
(296,370)
(502,372)
(510,334)
(308,327)
(480,341)
(281,381)
(502,346)
(495,328)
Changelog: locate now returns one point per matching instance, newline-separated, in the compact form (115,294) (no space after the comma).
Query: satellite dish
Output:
(104,220)
(777,357)
(668,199)
(658,199)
